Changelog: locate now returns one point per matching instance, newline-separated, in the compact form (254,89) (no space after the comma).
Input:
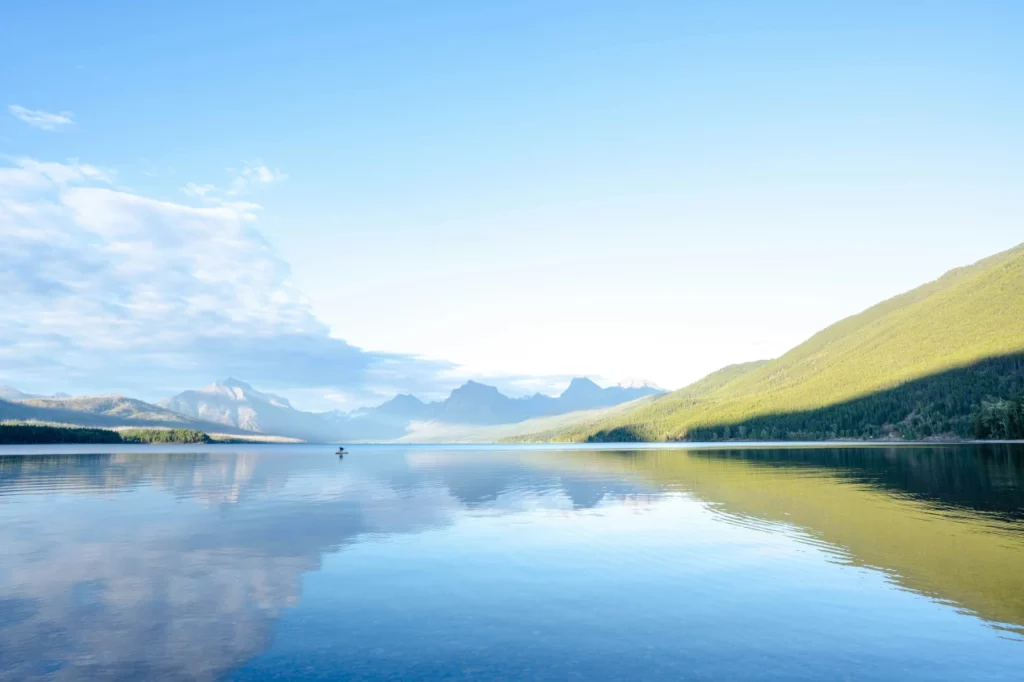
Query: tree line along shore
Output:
(44,434)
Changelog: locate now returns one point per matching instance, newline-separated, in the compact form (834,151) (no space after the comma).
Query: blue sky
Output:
(514,192)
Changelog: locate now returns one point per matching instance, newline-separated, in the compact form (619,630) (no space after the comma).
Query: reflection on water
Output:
(282,561)
(945,521)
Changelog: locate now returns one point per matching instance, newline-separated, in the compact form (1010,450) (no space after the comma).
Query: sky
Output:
(341,201)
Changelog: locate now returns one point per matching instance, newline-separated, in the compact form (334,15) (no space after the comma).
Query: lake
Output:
(258,562)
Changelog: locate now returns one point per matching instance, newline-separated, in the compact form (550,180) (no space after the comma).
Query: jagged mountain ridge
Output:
(235,407)
(237,404)
(477,404)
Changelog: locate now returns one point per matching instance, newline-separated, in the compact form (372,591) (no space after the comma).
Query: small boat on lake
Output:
(341,451)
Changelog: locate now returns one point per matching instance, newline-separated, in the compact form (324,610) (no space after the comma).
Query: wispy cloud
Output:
(243,181)
(198,191)
(256,174)
(44,120)
(110,290)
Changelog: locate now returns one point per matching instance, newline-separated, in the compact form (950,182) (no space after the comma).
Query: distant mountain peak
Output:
(239,390)
(476,388)
(402,403)
(236,403)
(581,386)
(406,399)
(231,382)
(11,393)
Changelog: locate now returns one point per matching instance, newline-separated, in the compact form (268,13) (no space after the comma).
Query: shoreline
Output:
(42,449)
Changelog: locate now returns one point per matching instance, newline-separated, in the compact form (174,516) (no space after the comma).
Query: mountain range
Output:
(943,360)
(236,403)
(233,407)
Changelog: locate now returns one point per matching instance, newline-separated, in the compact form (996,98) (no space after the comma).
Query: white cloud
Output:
(198,191)
(217,587)
(243,182)
(43,120)
(63,173)
(109,290)
(260,174)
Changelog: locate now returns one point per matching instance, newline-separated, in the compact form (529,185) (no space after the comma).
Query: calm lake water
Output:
(284,562)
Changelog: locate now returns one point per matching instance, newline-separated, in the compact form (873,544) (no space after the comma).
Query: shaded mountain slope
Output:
(983,400)
(966,316)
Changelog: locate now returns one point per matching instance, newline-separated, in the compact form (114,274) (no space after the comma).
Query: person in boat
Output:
(341,450)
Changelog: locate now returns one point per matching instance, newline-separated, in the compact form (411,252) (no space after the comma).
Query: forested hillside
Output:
(943,359)
(985,400)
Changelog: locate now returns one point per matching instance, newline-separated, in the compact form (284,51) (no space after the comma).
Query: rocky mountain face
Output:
(236,403)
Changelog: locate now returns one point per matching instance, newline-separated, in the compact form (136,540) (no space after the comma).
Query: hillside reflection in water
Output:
(261,561)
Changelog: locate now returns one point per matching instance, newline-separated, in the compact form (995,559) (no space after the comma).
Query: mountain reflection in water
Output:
(186,564)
